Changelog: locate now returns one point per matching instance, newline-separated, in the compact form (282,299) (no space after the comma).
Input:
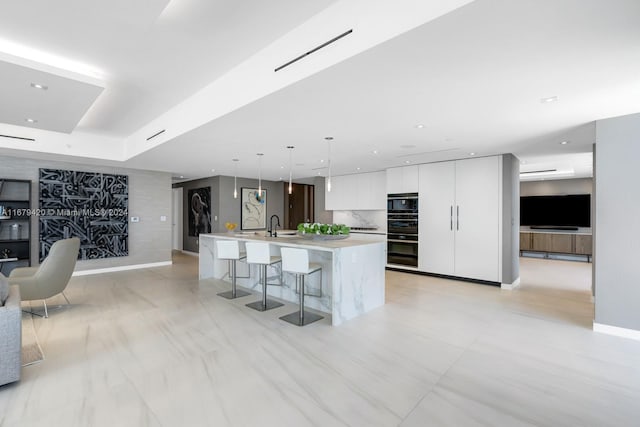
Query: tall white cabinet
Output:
(461,218)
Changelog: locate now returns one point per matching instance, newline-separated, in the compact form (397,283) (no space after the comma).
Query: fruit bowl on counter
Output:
(318,231)
(230,226)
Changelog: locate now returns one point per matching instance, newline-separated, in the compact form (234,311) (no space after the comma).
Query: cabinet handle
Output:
(457,217)
(451,219)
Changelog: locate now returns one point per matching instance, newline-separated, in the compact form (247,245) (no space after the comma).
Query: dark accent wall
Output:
(224,207)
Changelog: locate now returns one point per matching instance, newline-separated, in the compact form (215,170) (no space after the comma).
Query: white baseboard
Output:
(196,254)
(510,286)
(121,268)
(617,331)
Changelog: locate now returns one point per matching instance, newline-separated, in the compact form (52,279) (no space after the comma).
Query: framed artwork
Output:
(90,205)
(199,211)
(253,209)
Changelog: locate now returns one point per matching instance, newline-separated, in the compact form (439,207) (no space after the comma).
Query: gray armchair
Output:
(51,276)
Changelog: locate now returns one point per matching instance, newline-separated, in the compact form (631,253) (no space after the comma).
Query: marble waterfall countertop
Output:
(352,280)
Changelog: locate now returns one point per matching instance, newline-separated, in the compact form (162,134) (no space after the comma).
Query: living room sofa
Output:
(10,337)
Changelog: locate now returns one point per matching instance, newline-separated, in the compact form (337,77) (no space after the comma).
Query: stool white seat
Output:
(260,253)
(230,250)
(296,261)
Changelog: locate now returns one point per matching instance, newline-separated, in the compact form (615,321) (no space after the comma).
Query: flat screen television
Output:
(569,211)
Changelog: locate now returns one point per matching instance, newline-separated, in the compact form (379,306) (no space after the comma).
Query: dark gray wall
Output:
(510,218)
(617,276)
(224,207)
(149,199)
(190,243)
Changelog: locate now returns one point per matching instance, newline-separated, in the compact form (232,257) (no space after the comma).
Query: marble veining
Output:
(158,347)
(351,283)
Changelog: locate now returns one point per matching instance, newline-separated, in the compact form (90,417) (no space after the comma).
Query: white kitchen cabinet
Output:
(460,218)
(364,191)
(403,179)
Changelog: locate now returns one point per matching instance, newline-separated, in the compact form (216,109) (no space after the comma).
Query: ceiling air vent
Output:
(22,138)
(315,49)
(540,171)
(155,134)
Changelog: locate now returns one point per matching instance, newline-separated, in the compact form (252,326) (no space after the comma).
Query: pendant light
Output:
(235,179)
(260,174)
(290,147)
(329,139)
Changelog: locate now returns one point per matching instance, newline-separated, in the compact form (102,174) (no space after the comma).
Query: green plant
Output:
(318,228)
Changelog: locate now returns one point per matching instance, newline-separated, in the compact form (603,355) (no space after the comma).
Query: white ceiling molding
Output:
(254,78)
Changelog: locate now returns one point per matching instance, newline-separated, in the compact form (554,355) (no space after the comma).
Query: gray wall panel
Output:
(149,198)
(617,276)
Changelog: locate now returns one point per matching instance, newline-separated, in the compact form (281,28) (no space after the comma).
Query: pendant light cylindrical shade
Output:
(290,147)
(329,139)
(260,174)
(235,179)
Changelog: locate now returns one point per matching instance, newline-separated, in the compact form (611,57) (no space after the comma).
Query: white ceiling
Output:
(58,106)
(473,77)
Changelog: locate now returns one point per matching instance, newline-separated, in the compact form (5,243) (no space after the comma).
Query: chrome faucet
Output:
(272,230)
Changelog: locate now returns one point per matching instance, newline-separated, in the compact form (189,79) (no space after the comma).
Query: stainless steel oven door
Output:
(407,225)
(402,252)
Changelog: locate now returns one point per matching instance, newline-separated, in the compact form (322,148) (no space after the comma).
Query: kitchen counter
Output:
(353,272)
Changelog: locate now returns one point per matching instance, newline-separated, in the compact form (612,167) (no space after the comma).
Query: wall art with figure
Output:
(254,209)
(199,211)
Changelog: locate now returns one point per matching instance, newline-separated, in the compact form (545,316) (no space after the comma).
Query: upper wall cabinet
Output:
(363,191)
(403,180)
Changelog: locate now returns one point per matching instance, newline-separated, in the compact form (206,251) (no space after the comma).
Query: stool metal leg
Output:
(300,318)
(233,293)
(265,304)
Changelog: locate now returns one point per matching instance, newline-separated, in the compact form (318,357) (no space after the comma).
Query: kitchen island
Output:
(352,280)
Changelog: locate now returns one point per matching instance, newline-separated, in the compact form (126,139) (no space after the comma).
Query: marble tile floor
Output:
(156,347)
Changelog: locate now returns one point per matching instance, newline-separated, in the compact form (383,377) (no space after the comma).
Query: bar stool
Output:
(297,261)
(258,253)
(230,250)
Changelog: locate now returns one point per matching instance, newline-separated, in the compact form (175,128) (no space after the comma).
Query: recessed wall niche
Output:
(89,205)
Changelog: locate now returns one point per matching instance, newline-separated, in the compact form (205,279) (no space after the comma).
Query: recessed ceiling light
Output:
(181,176)
(419,126)
(39,86)
(564,142)
(281,167)
(321,160)
(213,170)
(549,99)
(407,161)
(31,120)
(280,179)
(318,173)
(358,169)
(472,154)
(375,151)
(523,162)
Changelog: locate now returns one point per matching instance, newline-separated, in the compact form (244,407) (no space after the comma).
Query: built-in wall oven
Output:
(402,229)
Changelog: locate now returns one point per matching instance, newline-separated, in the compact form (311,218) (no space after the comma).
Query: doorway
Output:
(299,205)
(176,219)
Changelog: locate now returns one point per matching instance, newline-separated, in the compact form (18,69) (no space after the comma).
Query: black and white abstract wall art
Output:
(199,211)
(89,205)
